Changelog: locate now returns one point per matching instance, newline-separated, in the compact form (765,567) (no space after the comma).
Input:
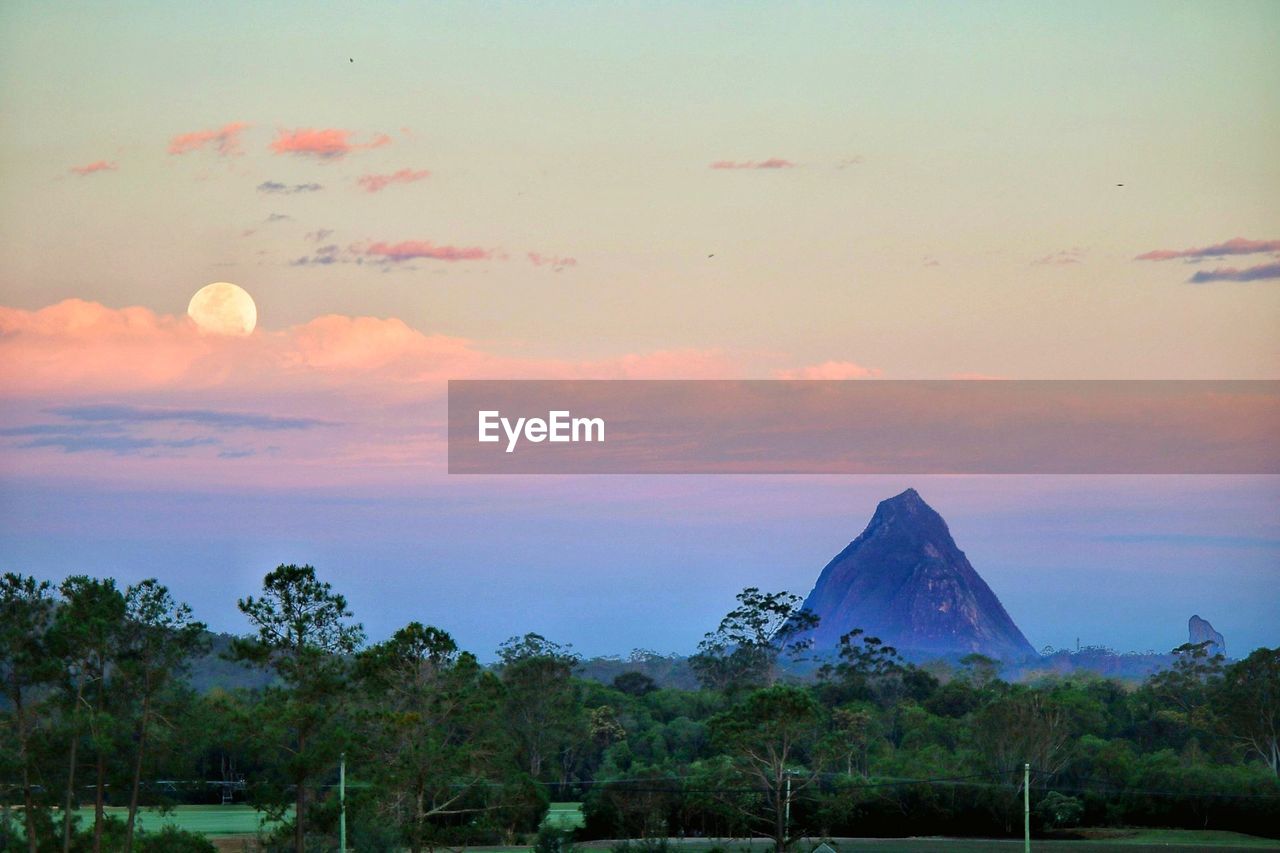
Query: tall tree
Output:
(303,635)
(26,666)
(772,738)
(743,652)
(1250,702)
(158,638)
(434,732)
(543,711)
(86,639)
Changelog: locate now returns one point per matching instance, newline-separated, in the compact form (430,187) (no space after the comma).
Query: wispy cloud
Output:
(1061,258)
(125,414)
(326,144)
(829,370)
(377,183)
(1254,273)
(224,140)
(556,262)
(1234,246)
(121,445)
(771,163)
(94,167)
(409,250)
(277,188)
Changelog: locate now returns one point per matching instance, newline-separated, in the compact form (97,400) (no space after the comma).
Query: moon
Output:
(223,308)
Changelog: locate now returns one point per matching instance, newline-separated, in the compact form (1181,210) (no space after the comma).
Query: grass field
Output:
(206,820)
(244,822)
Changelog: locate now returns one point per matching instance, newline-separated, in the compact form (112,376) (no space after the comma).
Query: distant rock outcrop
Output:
(905,581)
(1200,631)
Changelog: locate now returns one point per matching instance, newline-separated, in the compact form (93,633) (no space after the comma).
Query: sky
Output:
(558,190)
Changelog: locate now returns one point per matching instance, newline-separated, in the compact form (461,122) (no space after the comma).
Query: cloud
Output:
(409,250)
(1255,273)
(79,344)
(319,235)
(121,445)
(1061,258)
(278,217)
(771,163)
(92,168)
(122,414)
(324,256)
(1234,246)
(327,144)
(377,183)
(285,189)
(556,262)
(849,161)
(225,140)
(829,370)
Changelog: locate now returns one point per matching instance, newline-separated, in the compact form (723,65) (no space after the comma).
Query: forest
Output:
(99,710)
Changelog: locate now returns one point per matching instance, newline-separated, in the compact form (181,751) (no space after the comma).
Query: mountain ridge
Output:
(904,580)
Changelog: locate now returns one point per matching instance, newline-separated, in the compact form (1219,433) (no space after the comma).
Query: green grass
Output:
(564,816)
(207,820)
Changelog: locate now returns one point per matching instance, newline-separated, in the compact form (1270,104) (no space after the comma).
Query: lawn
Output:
(206,820)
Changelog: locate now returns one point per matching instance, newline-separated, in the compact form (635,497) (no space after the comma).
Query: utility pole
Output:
(342,803)
(1026,808)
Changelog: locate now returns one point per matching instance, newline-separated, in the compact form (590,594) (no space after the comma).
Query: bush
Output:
(1059,810)
(173,840)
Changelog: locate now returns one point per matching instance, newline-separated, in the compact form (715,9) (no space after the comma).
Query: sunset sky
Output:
(415,193)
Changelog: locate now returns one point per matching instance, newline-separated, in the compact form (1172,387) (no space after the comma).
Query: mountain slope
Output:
(905,581)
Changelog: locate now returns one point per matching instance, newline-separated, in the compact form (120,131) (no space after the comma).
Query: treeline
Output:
(442,750)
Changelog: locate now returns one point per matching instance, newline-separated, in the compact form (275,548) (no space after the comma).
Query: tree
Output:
(768,736)
(26,666)
(1250,704)
(1023,727)
(158,637)
(634,683)
(434,731)
(543,711)
(869,668)
(743,652)
(85,638)
(304,637)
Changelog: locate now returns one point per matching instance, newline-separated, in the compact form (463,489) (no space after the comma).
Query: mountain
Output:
(1200,631)
(905,581)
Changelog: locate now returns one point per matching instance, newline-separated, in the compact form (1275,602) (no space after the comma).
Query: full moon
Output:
(223,308)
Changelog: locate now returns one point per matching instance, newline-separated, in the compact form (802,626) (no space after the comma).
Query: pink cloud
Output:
(225,140)
(556,262)
(1255,273)
(95,166)
(84,349)
(771,163)
(377,183)
(328,143)
(1234,246)
(79,344)
(408,250)
(829,370)
(1061,258)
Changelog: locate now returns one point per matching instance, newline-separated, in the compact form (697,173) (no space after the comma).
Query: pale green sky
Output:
(991,135)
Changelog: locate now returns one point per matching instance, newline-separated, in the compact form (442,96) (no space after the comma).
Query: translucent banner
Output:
(863,427)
